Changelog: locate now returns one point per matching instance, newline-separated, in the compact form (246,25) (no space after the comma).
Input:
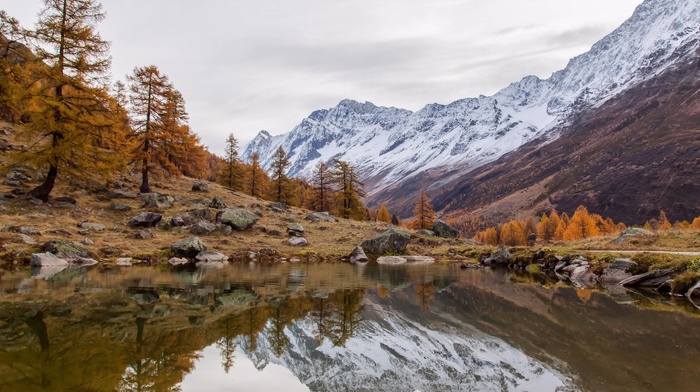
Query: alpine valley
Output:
(616,130)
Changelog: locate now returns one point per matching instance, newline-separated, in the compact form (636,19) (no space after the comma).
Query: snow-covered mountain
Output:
(390,145)
(394,351)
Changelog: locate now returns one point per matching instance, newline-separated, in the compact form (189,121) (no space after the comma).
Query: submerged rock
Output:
(392,240)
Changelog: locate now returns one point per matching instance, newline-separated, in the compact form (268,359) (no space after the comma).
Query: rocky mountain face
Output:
(399,152)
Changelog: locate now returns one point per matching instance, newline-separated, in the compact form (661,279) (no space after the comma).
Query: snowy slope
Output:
(389,145)
(393,352)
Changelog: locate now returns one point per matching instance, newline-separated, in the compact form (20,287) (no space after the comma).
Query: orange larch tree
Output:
(425,215)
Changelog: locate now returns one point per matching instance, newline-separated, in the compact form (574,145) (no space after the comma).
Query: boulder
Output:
(120,194)
(155,200)
(26,239)
(143,235)
(25,230)
(320,217)
(189,247)
(358,256)
(443,230)
(298,241)
(392,240)
(210,256)
(66,249)
(181,220)
(278,207)
(427,233)
(47,259)
(238,218)
(630,233)
(618,271)
(217,203)
(86,241)
(145,219)
(65,199)
(200,213)
(295,230)
(116,206)
(499,257)
(97,227)
(200,186)
(391,260)
(203,227)
(583,276)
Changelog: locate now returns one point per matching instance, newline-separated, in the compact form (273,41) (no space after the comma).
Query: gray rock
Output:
(560,266)
(631,232)
(200,213)
(226,230)
(444,230)
(116,206)
(210,256)
(295,230)
(618,271)
(200,186)
(66,200)
(694,291)
(499,257)
(189,247)
(392,240)
(86,241)
(298,241)
(428,233)
(123,261)
(145,219)
(26,230)
(83,261)
(66,249)
(27,239)
(96,227)
(358,256)
(181,220)
(155,200)
(120,194)
(391,260)
(47,259)
(202,228)
(238,218)
(143,235)
(278,207)
(218,203)
(648,279)
(584,277)
(178,261)
(320,217)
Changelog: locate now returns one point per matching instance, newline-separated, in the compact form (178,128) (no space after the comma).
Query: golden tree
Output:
(156,111)
(581,225)
(322,192)
(70,109)
(512,234)
(383,214)
(348,191)
(280,190)
(256,178)
(231,173)
(696,223)
(425,216)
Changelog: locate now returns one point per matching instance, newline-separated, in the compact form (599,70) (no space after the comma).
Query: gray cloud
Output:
(244,66)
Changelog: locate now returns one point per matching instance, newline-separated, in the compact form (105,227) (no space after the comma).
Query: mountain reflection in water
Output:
(331,327)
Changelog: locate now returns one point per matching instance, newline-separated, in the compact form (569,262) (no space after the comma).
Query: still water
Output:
(336,327)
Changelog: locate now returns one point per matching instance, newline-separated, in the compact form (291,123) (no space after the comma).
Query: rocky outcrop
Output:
(442,229)
(238,218)
(188,247)
(145,219)
(390,241)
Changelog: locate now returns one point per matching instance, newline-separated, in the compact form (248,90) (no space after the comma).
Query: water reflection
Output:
(333,327)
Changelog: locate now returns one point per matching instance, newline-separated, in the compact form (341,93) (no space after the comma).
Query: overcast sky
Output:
(245,65)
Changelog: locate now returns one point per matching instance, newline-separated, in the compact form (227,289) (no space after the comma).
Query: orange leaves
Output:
(425,216)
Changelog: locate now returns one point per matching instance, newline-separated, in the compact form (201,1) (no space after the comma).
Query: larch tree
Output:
(280,189)
(696,223)
(70,113)
(156,113)
(348,191)
(321,190)
(232,174)
(383,214)
(581,225)
(512,234)
(425,215)
(256,177)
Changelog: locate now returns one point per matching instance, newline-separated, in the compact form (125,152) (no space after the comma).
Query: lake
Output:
(337,327)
